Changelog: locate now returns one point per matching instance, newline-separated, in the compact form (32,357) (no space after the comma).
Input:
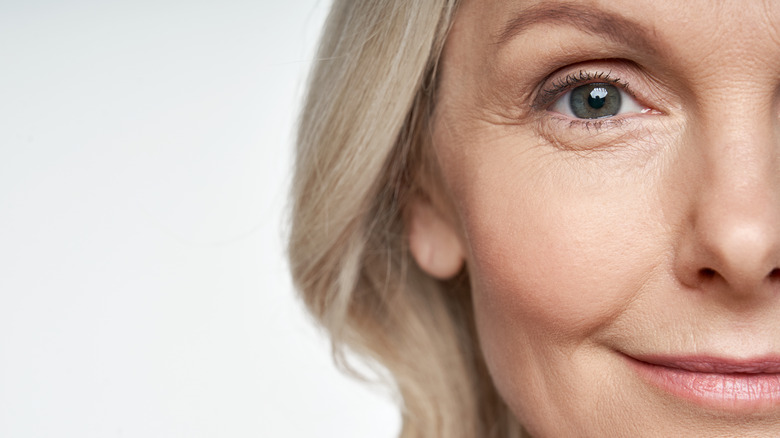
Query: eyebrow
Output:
(586,19)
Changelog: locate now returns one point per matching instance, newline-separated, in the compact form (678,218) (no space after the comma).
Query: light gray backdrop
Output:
(145,149)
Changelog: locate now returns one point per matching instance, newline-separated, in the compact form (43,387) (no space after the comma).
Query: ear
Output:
(433,241)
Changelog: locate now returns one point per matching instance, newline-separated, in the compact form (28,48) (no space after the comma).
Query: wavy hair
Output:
(362,144)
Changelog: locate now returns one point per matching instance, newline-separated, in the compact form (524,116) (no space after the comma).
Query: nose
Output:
(730,244)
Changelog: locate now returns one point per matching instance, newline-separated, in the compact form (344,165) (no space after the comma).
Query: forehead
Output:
(672,27)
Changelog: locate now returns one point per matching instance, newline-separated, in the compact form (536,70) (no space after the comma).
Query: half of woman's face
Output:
(612,180)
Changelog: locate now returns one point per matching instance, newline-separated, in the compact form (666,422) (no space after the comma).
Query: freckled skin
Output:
(650,233)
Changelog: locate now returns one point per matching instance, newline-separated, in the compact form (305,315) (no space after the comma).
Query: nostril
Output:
(775,274)
(709,272)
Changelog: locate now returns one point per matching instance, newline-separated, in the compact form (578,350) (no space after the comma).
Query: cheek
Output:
(566,264)
(554,256)
(552,261)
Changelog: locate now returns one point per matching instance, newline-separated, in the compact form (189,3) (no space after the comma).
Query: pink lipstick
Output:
(721,383)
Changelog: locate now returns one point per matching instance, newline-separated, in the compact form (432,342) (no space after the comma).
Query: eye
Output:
(596,101)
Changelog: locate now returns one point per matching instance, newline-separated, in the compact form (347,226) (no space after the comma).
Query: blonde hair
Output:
(361,145)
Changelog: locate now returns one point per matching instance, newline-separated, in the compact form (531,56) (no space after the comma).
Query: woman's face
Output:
(611,178)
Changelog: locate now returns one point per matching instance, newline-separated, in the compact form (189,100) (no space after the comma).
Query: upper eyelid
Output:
(583,77)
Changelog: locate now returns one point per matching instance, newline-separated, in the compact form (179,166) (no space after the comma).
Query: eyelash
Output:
(561,86)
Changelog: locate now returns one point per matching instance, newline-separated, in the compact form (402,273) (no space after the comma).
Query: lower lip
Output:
(726,391)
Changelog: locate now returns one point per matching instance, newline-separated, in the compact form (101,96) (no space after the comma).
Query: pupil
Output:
(597,97)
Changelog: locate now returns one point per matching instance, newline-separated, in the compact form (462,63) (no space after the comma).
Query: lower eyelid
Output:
(563,121)
(606,134)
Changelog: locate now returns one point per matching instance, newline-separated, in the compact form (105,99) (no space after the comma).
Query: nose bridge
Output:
(740,158)
(736,213)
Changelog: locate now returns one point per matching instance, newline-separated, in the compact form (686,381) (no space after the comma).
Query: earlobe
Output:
(433,241)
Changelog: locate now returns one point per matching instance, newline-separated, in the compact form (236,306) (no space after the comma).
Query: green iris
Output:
(594,101)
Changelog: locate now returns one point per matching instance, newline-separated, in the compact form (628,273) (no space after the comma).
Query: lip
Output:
(713,382)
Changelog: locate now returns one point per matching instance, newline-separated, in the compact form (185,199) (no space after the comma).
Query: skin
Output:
(653,232)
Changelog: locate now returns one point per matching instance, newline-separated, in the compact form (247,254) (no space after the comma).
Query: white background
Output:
(145,149)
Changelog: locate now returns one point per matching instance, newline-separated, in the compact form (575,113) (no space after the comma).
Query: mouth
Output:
(719,383)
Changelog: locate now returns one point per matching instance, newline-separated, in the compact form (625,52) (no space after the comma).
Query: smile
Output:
(719,383)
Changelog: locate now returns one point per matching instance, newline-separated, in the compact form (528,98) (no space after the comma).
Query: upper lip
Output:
(715,365)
